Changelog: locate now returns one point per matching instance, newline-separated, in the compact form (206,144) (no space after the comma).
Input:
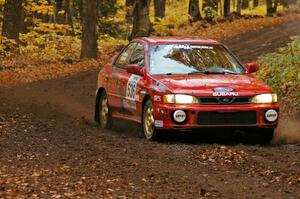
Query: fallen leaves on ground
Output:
(230,29)
(222,155)
(225,156)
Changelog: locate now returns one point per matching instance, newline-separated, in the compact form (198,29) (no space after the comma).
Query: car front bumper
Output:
(215,116)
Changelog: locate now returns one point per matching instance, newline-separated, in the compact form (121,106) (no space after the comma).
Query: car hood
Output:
(204,84)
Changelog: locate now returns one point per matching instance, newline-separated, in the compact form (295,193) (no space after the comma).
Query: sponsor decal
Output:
(179,116)
(225,94)
(157,98)
(143,92)
(159,123)
(131,92)
(131,89)
(187,47)
(271,115)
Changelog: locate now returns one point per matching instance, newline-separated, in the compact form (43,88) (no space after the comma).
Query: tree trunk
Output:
(255,3)
(213,6)
(194,10)
(89,46)
(239,6)
(141,21)
(129,2)
(221,7)
(79,2)
(52,19)
(245,4)
(210,3)
(233,3)
(107,7)
(270,8)
(160,8)
(226,8)
(275,6)
(12,20)
(285,3)
(59,5)
(129,5)
(68,7)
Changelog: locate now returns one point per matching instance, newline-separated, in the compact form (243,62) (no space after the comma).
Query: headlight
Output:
(264,99)
(180,99)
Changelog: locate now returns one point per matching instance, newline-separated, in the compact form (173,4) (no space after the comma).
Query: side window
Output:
(123,59)
(138,55)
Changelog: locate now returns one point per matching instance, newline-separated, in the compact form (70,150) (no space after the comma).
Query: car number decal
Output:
(131,89)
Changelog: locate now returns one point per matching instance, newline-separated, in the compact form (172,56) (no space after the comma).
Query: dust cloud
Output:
(288,131)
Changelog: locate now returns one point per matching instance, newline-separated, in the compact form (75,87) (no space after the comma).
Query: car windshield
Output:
(169,59)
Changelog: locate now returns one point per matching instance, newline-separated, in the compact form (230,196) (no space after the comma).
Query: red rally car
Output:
(181,83)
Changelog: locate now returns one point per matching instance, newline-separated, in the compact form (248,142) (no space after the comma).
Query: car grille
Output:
(235,118)
(224,100)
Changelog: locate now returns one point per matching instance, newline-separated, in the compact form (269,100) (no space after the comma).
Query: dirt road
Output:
(49,147)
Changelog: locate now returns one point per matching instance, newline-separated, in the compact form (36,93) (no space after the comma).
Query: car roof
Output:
(179,40)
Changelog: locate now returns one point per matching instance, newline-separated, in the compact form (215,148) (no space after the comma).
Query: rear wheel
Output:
(148,124)
(105,118)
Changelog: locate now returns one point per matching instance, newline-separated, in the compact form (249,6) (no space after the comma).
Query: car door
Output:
(117,82)
(132,98)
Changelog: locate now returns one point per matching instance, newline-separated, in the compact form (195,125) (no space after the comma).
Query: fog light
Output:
(179,116)
(271,115)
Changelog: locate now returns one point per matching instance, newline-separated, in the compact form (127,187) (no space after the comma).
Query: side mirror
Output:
(252,67)
(135,69)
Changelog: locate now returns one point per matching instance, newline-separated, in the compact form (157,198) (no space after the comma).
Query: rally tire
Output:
(266,135)
(148,128)
(261,135)
(105,116)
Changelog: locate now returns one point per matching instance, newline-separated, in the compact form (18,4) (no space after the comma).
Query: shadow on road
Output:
(226,136)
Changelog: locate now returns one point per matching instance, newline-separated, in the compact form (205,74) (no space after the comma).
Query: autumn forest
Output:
(51,52)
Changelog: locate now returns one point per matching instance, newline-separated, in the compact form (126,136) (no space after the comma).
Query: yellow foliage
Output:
(51,46)
(61,12)
(7,46)
(40,7)
(51,28)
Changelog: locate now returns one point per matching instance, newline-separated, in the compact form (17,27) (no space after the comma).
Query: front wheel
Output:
(148,124)
(267,135)
(262,135)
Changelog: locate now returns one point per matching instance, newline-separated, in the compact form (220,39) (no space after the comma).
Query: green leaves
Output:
(281,70)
